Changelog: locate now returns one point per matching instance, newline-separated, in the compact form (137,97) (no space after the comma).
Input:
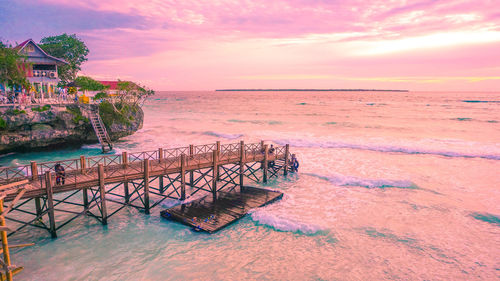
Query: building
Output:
(113,87)
(41,71)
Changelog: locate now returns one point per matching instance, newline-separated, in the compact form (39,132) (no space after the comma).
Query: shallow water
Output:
(396,186)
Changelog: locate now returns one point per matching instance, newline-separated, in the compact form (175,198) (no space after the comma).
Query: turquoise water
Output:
(392,186)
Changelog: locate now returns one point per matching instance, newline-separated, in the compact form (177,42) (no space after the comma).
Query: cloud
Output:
(221,43)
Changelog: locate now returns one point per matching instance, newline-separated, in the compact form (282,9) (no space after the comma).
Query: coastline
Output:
(309,90)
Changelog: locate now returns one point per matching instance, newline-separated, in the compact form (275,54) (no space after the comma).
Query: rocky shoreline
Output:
(38,127)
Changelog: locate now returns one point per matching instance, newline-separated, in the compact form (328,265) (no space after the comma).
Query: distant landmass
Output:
(308,90)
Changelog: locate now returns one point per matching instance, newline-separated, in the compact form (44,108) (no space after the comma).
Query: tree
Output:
(11,67)
(69,48)
(88,84)
(132,91)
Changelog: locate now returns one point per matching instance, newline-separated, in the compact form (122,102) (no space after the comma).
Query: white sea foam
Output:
(274,220)
(342,180)
(222,135)
(385,148)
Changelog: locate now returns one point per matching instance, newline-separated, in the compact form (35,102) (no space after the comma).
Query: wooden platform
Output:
(207,215)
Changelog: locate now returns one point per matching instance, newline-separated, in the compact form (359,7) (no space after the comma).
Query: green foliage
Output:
(69,48)
(88,84)
(17,111)
(3,124)
(133,91)
(111,116)
(10,71)
(77,114)
(100,95)
(41,109)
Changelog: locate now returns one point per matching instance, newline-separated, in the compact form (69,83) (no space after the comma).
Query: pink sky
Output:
(206,45)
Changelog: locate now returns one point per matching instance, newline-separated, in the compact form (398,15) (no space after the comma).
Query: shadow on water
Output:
(489,218)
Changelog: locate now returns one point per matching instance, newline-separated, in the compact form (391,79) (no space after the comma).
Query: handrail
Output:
(200,154)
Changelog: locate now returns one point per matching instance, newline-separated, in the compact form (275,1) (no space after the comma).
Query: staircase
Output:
(100,130)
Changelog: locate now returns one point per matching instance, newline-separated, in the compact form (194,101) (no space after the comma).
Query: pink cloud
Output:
(215,44)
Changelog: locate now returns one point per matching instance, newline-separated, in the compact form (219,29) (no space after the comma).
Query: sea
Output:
(391,186)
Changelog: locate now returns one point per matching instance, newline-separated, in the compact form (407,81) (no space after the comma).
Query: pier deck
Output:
(100,186)
(209,215)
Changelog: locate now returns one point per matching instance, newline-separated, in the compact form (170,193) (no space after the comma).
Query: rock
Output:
(60,125)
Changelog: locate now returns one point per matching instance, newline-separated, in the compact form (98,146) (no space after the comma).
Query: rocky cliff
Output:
(42,127)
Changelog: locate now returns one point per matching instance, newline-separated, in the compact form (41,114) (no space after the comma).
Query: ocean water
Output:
(392,186)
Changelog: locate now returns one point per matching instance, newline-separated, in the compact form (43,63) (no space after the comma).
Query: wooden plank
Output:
(13,202)
(13,184)
(212,215)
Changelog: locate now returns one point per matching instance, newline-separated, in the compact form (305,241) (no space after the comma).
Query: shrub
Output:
(3,124)
(100,95)
(109,116)
(77,114)
(41,109)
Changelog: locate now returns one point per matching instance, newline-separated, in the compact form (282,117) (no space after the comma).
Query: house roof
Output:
(113,85)
(21,46)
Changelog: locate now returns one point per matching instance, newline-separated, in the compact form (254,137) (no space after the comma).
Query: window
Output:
(29,49)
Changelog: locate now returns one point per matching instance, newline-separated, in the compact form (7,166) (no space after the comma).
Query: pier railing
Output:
(164,158)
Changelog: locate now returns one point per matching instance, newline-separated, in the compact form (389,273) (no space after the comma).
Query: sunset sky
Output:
(205,45)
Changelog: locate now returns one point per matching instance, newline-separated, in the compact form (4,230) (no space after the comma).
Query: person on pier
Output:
(60,174)
(294,164)
(271,151)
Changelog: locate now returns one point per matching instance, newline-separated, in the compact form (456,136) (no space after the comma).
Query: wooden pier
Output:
(101,186)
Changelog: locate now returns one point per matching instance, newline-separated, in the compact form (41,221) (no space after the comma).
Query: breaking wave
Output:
(222,135)
(342,180)
(384,148)
(264,217)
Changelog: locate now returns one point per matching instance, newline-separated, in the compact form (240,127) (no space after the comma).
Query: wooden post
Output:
(191,173)
(102,193)
(242,163)
(82,164)
(34,171)
(34,177)
(160,177)
(214,178)
(146,186)
(183,176)
(287,151)
(265,163)
(5,244)
(262,151)
(125,183)
(85,194)
(218,157)
(50,204)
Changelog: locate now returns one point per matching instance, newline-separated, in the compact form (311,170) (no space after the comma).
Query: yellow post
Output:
(5,244)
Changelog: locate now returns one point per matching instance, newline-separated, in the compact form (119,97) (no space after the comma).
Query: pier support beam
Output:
(160,178)
(265,163)
(242,163)
(102,194)
(217,144)
(146,186)
(5,245)
(191,173)
(85,193)
(34,177)
(183,176)
(125,183)
(214,178)
(285,167)
(50,205)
